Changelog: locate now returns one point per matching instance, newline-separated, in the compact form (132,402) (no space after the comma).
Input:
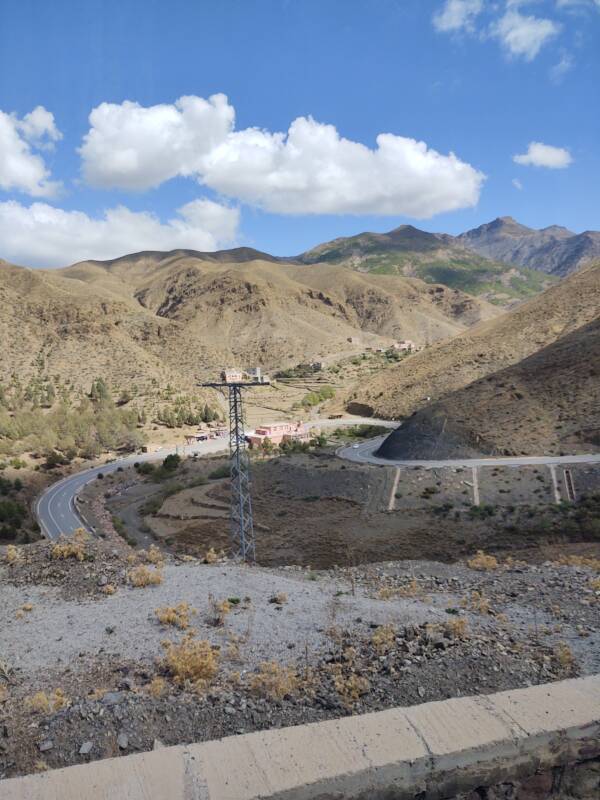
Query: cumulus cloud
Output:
(457,15)
(43,235)
(524,35)
(22,169)
(310,169)
(132,147)
(544,155)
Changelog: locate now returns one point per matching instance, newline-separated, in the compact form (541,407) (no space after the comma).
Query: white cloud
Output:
(544,155)
(562,67)
(310,169)
(517,184)
(20,168)
(133,147)
(578,4)
(42,235)
(457,15)
(522,35)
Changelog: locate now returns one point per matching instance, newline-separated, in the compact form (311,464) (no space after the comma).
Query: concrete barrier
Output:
(433,751)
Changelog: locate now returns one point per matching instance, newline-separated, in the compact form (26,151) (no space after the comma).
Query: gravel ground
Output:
(69,628)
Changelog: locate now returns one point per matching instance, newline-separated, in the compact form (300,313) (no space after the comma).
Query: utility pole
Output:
(242,521)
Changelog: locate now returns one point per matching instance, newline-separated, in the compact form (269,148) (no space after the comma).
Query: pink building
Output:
(278,432)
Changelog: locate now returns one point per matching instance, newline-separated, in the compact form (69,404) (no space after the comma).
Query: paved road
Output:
(363,454)
(56,508)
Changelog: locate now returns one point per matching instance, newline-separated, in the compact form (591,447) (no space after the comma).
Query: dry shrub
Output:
(40,765)
(71,548)
(564,656)
(477,602)
(218,610)
(411,589)
(157,687)
(108,588)
(41,703)
(192,662)
(232,651)
(27,607)
(13,554)
(178,616)
(153,555)
(279,599)
(579,561)
(274,681)
(142,575)
(457,628)
(483,562)
(211,556)
(350,687)
(383,638)
(3,693)
(595,585)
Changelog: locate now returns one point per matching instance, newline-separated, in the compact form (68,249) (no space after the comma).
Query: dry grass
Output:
(457,628)
(564,656)
(41,703)
(192,662)
(279,599)
(350,687)
(411,589)
(211,556)
(13,554)
(178,616)
(157,687)
(217,611)
(142,576)
(109,588)
(477,602)
(3,693)
(384,638)
(483,562)
(71,548)
(579,561)
(274,681)
(153,555)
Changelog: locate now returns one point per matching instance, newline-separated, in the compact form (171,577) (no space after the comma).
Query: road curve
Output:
(364,454)
(56,508)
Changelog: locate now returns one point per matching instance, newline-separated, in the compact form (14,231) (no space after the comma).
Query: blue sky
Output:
(478,78)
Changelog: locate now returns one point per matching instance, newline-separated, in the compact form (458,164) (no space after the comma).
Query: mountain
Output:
(178,316)
(433,257)
(437,371)
(553,250)
(546,404)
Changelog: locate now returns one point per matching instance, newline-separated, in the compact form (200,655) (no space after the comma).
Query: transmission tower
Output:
(242,521)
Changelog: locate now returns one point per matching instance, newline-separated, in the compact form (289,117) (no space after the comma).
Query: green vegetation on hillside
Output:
(51,420)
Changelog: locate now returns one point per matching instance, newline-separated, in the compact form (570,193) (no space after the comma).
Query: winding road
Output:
(57,513)
(364,454)
(56,509)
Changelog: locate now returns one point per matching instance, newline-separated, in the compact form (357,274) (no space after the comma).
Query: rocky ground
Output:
(89,670)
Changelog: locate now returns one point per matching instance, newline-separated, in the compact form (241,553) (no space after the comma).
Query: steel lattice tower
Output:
(242,522)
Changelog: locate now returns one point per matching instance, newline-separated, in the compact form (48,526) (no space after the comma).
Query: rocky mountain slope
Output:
(554,250)
(548,403)
(172,317)
(433,257)
(487,348)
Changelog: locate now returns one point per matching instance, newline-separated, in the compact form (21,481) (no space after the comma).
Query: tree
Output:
(171,462)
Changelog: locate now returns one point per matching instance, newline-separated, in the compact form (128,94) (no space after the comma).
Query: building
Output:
(279,432)
(405,346)
(252,375)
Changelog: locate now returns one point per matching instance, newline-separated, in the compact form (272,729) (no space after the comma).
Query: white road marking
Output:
(392,503)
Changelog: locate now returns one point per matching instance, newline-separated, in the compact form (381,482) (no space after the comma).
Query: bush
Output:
(171,462)
(193,662)
(142,576)
(220,472)
(145,468)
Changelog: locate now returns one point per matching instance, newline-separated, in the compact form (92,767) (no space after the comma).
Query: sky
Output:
(280,124)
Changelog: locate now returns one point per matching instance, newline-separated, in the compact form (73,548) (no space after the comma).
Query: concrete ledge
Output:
(441,748)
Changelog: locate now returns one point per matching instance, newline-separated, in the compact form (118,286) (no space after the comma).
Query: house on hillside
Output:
(405,346)
(280,432)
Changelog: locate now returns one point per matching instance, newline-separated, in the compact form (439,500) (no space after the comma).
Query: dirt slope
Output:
(486,348)
(548,403)
(172,317)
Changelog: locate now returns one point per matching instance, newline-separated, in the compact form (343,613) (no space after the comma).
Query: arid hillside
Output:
(548,403)
(172,317)
(485,349)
